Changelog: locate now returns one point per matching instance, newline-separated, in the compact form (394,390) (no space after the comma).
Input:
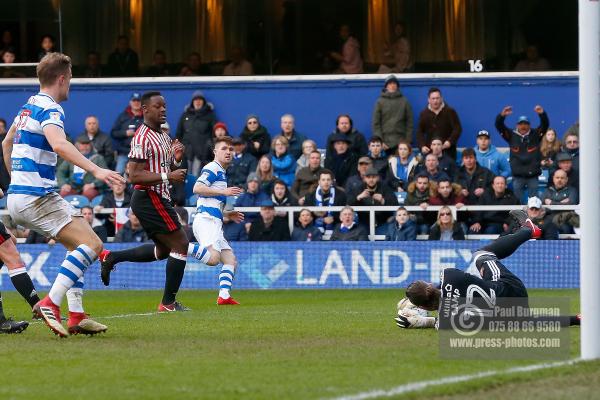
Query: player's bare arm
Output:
(140,176)
(7,145)
(58,140)
(203,190)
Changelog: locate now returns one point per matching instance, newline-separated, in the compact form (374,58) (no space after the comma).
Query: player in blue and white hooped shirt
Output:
(31,148)
(212,247)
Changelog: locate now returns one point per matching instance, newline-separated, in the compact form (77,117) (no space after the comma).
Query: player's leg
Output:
(206,231)
(144,253)
(17,272)
(226,277)
(79,321)
(178,244)
(83,246)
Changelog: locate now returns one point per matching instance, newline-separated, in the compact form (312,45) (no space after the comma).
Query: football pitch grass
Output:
(296,344)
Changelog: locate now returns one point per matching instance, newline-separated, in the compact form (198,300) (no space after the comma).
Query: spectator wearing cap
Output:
(124,129)
(100,140)
(305,230)
(348,230)
(473,178)
(242,165)
(345,126)
(378,156)
(392,117)
(252,197)
(267,228)
(342,160)
(256,136)
(571,146)
(307,177)
(354,182)
(493,221)
(372,192)
(438,120)
(194,130)
(132,231)
(560,193)
(72,179)
(326,194)
(219,131)
(524,143)
(295,139)
(445,164)
(489,157)
(564,161)
(284,165)
(402,167)
(540,216)
(418,193)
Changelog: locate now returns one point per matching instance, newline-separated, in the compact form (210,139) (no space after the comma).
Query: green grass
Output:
(278,344)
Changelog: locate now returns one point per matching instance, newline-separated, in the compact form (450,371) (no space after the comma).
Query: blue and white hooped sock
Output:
(198,252)
(226,280)
(72,268)
(75,296)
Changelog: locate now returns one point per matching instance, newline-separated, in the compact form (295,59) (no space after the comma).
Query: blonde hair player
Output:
(33,143)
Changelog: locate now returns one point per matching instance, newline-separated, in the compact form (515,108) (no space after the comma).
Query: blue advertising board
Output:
(322,265)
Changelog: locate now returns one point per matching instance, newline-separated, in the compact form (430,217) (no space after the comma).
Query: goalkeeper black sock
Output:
(505,245)
(143,253)
(174,275)
(22,282)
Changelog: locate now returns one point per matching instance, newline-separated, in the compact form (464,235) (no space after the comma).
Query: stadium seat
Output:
(401,196)
(190,181)
(3,202)
(77,200)
(192,200)
(96,200)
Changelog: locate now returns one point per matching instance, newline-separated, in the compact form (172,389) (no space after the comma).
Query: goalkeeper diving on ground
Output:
(495,282)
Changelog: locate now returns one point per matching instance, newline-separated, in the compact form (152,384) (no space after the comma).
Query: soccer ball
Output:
(407,308)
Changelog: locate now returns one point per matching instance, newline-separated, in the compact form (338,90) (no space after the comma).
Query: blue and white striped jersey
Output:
(33,160)
(212,175)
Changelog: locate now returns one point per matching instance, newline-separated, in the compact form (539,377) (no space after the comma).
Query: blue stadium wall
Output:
(316,101)
(322,265)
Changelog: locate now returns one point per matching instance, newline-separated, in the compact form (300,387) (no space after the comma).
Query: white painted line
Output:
(416,386)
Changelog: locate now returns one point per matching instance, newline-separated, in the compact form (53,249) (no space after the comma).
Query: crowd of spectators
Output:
(388,169)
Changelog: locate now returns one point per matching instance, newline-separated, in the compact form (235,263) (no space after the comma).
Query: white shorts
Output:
(208,231)
(46,215)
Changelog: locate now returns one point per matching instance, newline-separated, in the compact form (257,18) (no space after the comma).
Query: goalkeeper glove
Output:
(407,320)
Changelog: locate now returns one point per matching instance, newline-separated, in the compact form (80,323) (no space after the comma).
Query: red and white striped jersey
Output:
(155,148)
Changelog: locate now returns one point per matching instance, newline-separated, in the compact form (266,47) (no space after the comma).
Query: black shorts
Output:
(4,235)
(504,282)
(155,213)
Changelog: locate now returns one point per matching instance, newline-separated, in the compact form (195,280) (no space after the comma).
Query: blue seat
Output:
(96,200)
(190,181)
(192,200)
(401,196)
(3,202)
(77,201)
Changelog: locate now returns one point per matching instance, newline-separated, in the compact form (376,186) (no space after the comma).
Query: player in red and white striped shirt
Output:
(150,159)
